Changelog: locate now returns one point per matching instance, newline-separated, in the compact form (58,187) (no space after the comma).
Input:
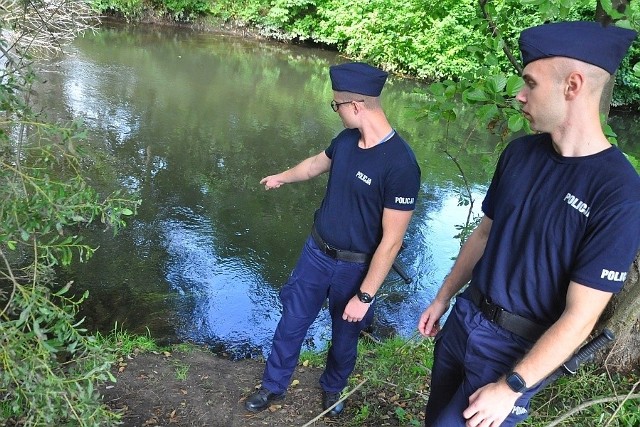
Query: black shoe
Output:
(261,400)
(328,399)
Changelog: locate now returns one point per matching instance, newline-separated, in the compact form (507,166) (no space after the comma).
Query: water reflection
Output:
(194,121)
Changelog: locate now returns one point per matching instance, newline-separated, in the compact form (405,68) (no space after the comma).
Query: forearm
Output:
(306,169)
(394,227)
(546,355)
(381,263)
(584,306)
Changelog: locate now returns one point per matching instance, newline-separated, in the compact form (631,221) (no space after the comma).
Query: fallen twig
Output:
(342,399)
(622,403)
(589,403)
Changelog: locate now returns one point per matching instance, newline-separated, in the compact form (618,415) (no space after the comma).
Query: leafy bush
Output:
(185,10)
(428,39)
(131,10)
(48,364)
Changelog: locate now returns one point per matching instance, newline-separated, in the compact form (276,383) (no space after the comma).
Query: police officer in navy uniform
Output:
(358,230)
(561,227)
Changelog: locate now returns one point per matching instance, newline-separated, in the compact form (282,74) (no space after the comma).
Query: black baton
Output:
(586,353)
(403,275)
(397,267)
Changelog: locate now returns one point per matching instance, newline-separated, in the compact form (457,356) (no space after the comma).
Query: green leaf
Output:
(514,84)
(64,289)
(449,115)
(515,123)
(476,95)
(487,112)
(437,89)
(496,83)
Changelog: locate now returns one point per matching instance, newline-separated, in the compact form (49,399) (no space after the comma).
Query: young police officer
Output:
(561,227)
(358,230)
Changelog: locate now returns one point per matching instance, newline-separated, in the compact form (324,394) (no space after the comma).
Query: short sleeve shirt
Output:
(557,219)
(362,182)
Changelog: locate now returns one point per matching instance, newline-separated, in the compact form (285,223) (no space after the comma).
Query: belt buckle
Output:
(332,252)
(490,310)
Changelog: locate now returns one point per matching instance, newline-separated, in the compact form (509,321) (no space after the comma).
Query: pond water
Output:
(194,121)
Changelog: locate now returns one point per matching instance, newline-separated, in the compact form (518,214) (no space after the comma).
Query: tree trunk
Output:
(622,315)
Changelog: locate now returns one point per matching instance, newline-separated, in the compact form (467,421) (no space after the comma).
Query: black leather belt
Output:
(512,322)
(338,254)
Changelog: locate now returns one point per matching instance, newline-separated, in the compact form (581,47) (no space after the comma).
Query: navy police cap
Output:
(357,77)
(589,42)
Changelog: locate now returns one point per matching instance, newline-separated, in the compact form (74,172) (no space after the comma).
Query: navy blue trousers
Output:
(315,278)
(471,352)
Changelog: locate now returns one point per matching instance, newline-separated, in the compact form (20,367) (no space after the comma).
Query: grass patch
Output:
(390,385)
(392,377)
(393,380)
(125,344)
(593,397)
(182,371)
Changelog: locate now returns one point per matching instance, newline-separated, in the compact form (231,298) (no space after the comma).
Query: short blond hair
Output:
(596,77)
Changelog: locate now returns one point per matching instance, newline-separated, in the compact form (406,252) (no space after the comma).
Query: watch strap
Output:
(364,297)
(515,382)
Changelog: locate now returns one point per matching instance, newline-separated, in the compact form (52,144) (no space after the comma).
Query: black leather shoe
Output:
(261,400)
(328,399)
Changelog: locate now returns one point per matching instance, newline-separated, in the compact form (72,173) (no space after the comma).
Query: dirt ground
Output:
(198,388)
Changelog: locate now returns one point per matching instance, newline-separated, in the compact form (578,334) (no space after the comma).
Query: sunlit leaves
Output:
(513,86)
(47,364)
(491,99)
(557,9)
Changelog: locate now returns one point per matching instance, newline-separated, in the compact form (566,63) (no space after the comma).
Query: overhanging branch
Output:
(495,33)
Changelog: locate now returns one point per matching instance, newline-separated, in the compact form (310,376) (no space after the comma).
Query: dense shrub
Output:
(428,39)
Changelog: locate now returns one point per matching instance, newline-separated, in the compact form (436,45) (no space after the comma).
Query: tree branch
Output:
(589,403)
(495,33)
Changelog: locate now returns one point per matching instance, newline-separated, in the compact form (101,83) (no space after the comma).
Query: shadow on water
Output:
(192,122)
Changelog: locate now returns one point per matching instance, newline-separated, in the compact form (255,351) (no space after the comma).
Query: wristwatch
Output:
(516,382)
(365,297)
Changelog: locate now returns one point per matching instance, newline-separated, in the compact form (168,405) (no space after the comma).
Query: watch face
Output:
(516,382)
(364,297)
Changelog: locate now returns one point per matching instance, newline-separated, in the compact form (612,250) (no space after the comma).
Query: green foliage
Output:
(424,39)
(129,9)
(249,11)
(123,343)
(433,40)
(184,10)
(48,364)
(589,385)
(400,368)
(312,358)
(628,76)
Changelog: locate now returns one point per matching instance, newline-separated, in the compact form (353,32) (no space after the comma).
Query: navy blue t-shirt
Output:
(557,219)
(362,182)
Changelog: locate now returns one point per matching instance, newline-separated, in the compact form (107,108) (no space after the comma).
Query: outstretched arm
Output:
(470,253)
(306,169)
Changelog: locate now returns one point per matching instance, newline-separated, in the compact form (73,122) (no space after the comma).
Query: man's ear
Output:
(573,85)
